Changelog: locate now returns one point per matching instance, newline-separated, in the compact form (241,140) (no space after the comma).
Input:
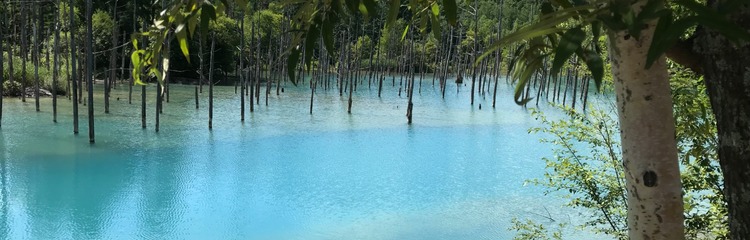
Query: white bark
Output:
(649,150)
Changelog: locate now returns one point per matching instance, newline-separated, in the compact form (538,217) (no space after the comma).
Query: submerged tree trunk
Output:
(24,52)
(90,68)
(211,84)
(243,78)
(56,61)
(36,54)
(649,150)
(727,78)
(73,61)
(2,69)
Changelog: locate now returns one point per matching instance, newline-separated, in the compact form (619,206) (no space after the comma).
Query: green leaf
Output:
(327,34)
(403,35)
(515,37)
(661,36)
(569,43)
(595,64)
(182,38)
(529,68)
(363,9)
(435,9)
(192,23)
(393,8)
(436,26)
(451,11)
(135,58)
(541,28)
(596,30)
(291,64)
(208,12)
(372,7)
(312,37)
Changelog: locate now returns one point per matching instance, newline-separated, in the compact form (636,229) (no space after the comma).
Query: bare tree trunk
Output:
(410,84)
(211,83)
(112,62)
(73,62)
(24,52)
(35,57)
(251,75)
(2,68)
(243,80)
(56,61)
(132,76)
(90,68)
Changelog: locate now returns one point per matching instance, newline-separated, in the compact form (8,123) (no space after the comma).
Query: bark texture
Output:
(727,77)
(649,150)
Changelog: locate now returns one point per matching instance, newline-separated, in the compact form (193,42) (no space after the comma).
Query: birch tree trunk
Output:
(649,150)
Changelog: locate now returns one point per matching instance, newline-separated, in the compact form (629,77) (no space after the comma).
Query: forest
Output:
(666,156)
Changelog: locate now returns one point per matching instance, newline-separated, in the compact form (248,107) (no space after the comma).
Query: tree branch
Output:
(683,54)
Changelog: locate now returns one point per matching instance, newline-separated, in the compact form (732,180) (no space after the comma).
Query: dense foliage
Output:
(591,177)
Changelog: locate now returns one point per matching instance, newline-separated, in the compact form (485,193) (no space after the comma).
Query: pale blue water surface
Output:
(456,173)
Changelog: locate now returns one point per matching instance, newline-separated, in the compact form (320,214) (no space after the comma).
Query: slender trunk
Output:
(727,79)
(35,57)
(90,68)
(200,65)
(211,83)
(122,59)
(112,63)
(158,105)
(10,55)
(242,67)
(649,150)
(143,87)
(270,67)
(56,66)
(132,76)
(410,84)
(24,53)
(2,69)
(73,61)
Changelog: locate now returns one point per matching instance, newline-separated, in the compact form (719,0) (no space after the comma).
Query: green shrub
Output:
(12,88)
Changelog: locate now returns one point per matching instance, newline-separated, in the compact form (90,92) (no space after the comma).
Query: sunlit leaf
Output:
(403,35)
(183,40)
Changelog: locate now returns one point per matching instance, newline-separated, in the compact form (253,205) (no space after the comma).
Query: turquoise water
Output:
(456,173)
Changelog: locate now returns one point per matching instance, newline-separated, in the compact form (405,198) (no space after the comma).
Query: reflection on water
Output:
(457,173)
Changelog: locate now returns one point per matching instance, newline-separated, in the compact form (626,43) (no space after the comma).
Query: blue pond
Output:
(457,173)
